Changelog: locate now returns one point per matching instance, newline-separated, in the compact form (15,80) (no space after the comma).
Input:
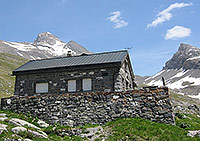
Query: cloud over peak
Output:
(117,19)
(166,14)
(177,32)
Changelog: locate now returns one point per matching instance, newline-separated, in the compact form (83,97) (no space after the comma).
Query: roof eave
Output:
(66,68)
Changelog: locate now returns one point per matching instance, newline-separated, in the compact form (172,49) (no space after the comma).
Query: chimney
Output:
(69,53)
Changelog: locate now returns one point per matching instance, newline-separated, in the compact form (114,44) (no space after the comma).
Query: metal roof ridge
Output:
(80,55)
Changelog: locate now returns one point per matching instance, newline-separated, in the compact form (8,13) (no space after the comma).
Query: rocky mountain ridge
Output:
(187,57)
(181,72)
(46,45)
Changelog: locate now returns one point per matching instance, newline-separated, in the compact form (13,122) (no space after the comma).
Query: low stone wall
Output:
(95,108)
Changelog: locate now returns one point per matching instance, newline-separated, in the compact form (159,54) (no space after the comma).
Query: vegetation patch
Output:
(140,129)
(27,117)
(8,63)
(187,122)
(119,129)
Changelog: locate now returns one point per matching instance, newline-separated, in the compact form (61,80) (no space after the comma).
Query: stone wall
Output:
(95,108)
(125,77)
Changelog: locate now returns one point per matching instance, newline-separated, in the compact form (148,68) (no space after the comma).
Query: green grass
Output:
(192,122)
(183,98)
(8,63)
(73,138)
(87,126)
(26,117)
(56,129)
(184,101)
(54,137)
(120,129)
(9,133)
(140,129)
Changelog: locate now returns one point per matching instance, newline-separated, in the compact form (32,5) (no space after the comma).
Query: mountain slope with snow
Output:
(46,45)
(181,72)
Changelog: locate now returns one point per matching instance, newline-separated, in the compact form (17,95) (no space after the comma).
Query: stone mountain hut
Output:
(109,71)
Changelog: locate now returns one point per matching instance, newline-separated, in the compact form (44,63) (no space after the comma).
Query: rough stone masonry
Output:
(95,108)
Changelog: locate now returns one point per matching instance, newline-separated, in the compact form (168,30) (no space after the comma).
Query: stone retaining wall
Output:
(95,108)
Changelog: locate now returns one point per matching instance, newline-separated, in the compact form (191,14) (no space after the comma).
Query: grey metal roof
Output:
(99,58)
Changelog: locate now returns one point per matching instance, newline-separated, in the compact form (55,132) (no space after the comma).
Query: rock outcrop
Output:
(181,72)
(187,57)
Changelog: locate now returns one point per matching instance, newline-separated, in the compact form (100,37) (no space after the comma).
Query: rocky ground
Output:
(185,104)
(19,129)
(22,127)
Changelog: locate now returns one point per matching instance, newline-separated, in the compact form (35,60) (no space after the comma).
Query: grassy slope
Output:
(120,129)
(184,98)
(8,63)
(184,101)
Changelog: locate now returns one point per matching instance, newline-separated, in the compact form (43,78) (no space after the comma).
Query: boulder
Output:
(42,123)
(92,133)
(20,122)
(18,129)
(38,134)
(2,115)
(3,128)
(194,133)
(3,118)
(27,140)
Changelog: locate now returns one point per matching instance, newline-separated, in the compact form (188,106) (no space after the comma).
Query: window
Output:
(41,88)
(71,85)
(87,84)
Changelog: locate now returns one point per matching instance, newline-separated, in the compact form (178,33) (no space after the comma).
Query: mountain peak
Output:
(187,57)
(185,47)
(48,34)
(46,38)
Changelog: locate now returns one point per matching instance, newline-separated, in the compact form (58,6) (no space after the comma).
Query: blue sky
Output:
(153,28)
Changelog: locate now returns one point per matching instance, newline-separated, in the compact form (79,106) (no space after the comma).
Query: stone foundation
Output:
(95,108)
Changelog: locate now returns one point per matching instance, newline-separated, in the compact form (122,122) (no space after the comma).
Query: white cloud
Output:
(117,19)
(177,32)
(166,14)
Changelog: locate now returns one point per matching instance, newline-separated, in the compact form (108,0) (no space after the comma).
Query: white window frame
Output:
(41,87)
(71,85)
(87,84)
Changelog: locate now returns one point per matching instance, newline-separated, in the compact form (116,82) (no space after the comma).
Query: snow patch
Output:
(20,54)
(179,74)
(180,93)
(159,73)
(156,83)
(195,96)
(178,84)
(33,57)
(147,79)
(56,49)
(20,46)
(193,58)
